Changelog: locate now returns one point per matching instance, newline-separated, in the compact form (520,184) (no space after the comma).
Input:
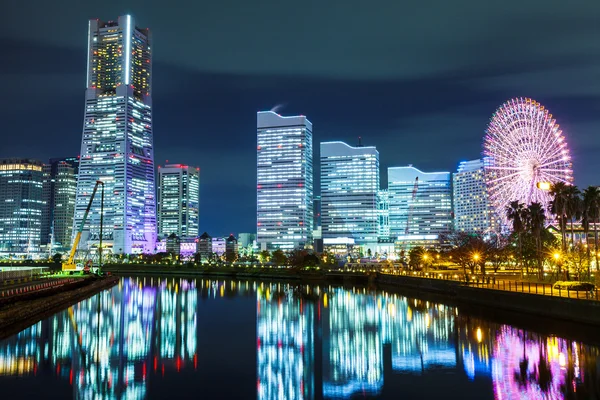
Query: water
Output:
(151,338)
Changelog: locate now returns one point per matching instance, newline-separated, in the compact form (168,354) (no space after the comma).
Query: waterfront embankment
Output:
(21,310)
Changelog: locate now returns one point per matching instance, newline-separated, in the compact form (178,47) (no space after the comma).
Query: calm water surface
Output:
(152,338)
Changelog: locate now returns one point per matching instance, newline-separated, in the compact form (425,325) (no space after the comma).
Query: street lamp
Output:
(476,257)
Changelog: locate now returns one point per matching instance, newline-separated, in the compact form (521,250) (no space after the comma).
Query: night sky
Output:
(417,79)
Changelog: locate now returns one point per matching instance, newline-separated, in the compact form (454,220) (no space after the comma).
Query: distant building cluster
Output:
(353,213)
(44,205)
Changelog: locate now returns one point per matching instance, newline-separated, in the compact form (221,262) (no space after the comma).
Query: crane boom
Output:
(70,265)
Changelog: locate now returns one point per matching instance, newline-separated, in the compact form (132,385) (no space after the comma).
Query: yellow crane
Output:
(70,264)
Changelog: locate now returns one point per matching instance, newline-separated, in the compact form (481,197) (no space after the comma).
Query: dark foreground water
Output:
(205,339)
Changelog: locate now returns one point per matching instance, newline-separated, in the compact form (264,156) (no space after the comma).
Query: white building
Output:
(117,143)
(178,200)
(420,205)
(472,210)
(284,181)
(349,185)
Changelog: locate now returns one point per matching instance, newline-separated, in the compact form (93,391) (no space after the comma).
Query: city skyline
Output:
(402,109)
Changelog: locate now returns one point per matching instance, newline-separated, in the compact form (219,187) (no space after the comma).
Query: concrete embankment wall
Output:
(575,310)
(23,312)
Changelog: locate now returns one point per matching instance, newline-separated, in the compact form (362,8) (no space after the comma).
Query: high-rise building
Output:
(420,205)
(349,185)
(178,200)
(60,186)
(117,143)
(21,205)
(284,181)
(472,210)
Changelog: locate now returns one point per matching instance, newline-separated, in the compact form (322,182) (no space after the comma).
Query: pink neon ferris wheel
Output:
(525,154)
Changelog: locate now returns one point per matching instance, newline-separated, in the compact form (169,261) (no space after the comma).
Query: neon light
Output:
(127,49)
(87,76)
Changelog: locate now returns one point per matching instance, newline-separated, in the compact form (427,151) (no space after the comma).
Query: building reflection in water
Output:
(311,342)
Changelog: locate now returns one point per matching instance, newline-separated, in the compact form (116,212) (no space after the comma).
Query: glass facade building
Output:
(60,185)
(349,185)
(117,144)
(21,206)
(472,210)
(420,204)
(178,200)
(284,192)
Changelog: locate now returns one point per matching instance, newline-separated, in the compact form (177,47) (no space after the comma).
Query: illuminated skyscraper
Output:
(349,185)
(21,205)
(472,210)
(178,196)
(117,145)
(420,205)
(284,181)
(60,186)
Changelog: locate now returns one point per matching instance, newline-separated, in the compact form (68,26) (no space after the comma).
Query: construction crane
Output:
(70,264)
(410,206)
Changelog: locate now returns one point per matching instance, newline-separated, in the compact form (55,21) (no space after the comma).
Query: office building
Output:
(284,181)
(420,205)
(472,210)
(383,214)
(21,206)
(231,248)
(117,143)
(178,197)
(349,185)
(59,189)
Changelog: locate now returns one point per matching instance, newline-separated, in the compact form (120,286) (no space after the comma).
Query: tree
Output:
(536,219)
(469,251)
(558,207)
(264,256)
(591,205)
(573,207)
(57,258)
(415,256)
(279,258)
(516,213)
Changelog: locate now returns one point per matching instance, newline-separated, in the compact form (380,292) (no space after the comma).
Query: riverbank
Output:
(18,313)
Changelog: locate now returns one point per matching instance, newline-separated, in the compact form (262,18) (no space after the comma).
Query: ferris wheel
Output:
(525,154)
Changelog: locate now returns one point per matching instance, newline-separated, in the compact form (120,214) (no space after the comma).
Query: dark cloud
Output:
(417,79)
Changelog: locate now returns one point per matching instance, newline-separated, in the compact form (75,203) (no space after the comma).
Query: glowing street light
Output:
(556,256)
(476,257)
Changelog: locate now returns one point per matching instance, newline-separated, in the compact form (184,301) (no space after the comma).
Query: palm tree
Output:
(573,207)
(515,212)
(591,201)
(536,221)
(559,208)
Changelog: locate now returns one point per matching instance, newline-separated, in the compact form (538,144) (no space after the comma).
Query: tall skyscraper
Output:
(117,144)
(178,200)
(472,210)
(420,205)
(284,191)
(60,186)
(349,185)
(21,205)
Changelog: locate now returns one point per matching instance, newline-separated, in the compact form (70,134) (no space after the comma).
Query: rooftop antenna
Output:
(360,142)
